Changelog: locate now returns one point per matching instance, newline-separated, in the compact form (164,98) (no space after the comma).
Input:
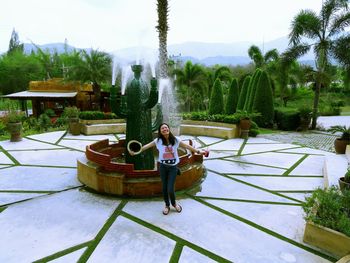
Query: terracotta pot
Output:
(245,124)
(340,145)
(343,184)
(74,126)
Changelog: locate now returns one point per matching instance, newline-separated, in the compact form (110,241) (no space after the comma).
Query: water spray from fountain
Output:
(126,75)
(114,71)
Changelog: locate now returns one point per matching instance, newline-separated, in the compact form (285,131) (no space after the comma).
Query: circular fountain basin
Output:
(103,170)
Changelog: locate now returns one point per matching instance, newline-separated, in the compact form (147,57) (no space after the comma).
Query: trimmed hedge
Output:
(232,98)
(97,115)
(263,100)
(216,104)
(243,94)
(287,119)
(204,116)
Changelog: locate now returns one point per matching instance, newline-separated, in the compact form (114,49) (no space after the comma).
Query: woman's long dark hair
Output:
(172,138)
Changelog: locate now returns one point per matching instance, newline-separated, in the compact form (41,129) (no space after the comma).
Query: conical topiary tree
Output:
(216,103)
(244,92)
(252,92)
(232,97)
(263,101)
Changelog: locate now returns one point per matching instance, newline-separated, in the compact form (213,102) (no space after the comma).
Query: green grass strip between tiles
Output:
(256,164)
(244,200)
(296,153)
(63,135)
(266,230)
(27,192)
(39,149)
(63,253)
(48,166)
(261,188)
(175,257)
(91,248)
(297,163)
(239,153)
(2,208)
(63,147)
(274,175)
(271,151)
(13,159)
(178,240)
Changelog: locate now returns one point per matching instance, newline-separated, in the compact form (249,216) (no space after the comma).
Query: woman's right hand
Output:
(132,153)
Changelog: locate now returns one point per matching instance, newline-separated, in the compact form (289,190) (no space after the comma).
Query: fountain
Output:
(108,168)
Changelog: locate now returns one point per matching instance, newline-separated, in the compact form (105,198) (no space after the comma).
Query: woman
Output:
(167,145)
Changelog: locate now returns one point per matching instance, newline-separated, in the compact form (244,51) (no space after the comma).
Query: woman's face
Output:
(164,130)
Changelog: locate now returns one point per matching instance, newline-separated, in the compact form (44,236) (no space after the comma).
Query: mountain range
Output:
(198,52)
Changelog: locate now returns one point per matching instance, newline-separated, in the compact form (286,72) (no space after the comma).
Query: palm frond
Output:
(305,23)
(341,50)
(339,23)
(271,55)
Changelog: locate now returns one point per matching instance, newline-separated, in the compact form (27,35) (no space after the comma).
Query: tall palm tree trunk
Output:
(315,108)
(162,28)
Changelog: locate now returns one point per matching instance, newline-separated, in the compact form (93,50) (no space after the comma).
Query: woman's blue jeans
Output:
(168,176)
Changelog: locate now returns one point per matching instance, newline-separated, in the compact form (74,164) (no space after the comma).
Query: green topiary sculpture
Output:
(216,103)
(263,101)
(232,98)
(136,108)
(243,94)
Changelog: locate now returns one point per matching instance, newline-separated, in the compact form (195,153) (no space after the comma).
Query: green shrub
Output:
(254,129)
(2,128)
(232,98)
(71,112)
(263,101)
(96,115)
(44,122)
(287,119)
(216,103)
(50,112)
(243,94)
(248,106)
(332,209)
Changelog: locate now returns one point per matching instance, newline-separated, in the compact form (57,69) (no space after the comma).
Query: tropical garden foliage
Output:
(287,84)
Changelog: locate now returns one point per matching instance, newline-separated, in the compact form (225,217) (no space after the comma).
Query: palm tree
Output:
(342,53)
(193,85)
(162,28)
(324,29)
(261,60)
(94,67)
(268,61)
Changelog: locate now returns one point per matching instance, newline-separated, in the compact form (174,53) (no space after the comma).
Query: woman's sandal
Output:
(178,208)
(166,210)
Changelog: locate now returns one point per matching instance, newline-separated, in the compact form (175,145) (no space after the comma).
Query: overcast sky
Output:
(114,24)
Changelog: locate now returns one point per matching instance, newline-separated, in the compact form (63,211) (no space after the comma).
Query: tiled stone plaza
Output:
(247,209)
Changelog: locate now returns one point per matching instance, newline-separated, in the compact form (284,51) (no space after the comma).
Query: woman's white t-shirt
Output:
(167,153)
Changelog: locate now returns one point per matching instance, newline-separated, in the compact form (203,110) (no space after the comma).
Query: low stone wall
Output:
(212,129)
(93,127)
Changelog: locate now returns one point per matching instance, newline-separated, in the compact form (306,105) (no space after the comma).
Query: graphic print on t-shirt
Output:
(168,153)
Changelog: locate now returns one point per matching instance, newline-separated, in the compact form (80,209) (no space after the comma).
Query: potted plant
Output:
(327,220)
(245,122)
(13,120)
(344,182)
(72,113)
(340,143)
(305,113)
